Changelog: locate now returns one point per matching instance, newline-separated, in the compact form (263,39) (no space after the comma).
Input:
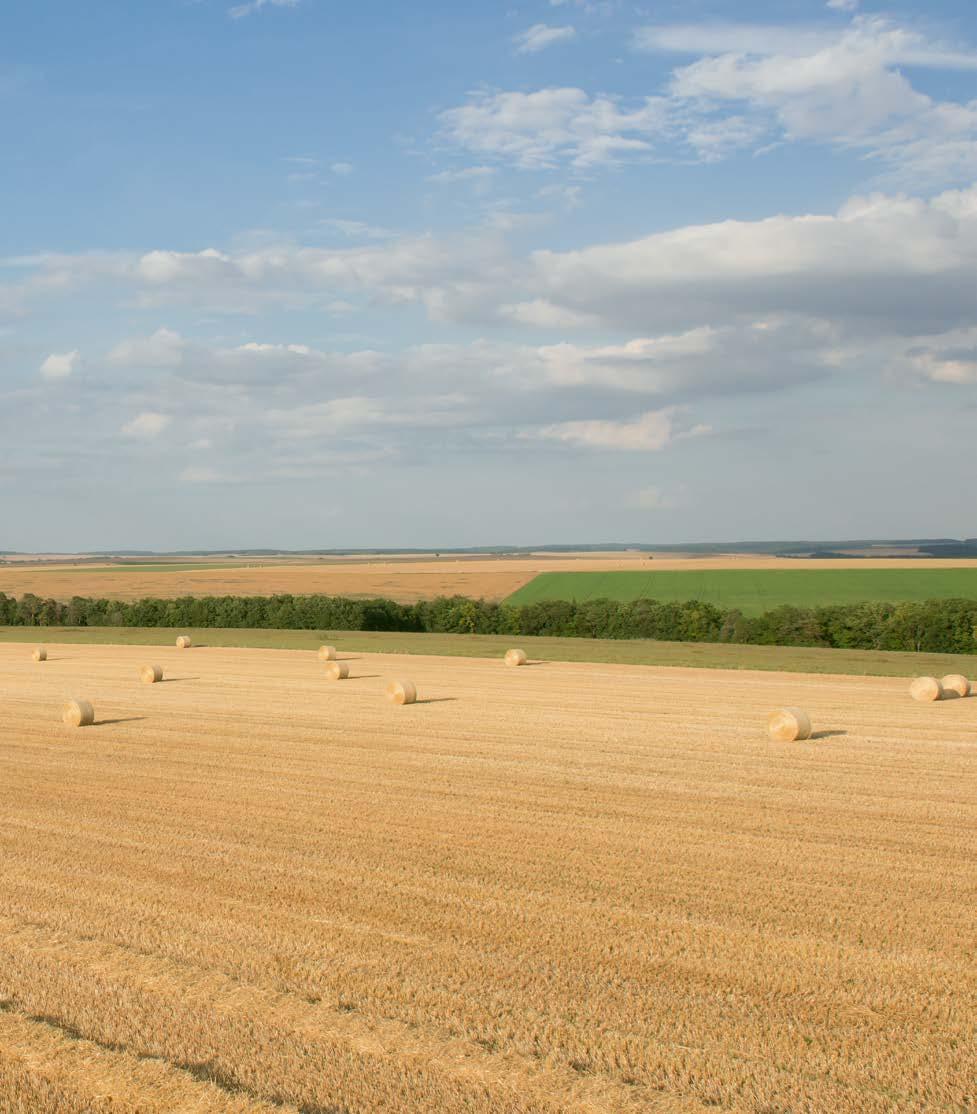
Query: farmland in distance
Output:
(409,578)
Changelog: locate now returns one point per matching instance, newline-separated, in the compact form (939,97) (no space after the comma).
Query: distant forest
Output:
(939,626)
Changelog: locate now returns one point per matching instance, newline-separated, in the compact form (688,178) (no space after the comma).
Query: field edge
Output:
(683,655)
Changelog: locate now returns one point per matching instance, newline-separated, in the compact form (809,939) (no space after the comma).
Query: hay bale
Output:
(78,713)
(956,682)
(516,657)
(926,689)
(327,653)
(151,674)
(183,642)
(401,692)
(40,654)
(337,670)
(789,725)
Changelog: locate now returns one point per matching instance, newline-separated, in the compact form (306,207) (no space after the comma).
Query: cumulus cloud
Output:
(164,349)
(342,169)
(541,129)
(843,5)
(840,87)
(881,263)
(540,36)
(146,425)
(59,365)
(747,87)
(648,433)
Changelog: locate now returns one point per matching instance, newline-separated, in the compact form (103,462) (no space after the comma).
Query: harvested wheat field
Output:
(565,887)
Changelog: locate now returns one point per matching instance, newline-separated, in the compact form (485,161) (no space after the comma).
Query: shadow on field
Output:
(124,719)
(170,680)
(436,700)
(827,734)
(364,676)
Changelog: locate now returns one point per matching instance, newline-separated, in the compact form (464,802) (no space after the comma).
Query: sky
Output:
(303,273)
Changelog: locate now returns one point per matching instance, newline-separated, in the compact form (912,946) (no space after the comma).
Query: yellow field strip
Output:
(555,888)
(403,580)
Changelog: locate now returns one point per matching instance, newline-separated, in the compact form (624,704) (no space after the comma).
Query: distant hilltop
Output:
(869,547)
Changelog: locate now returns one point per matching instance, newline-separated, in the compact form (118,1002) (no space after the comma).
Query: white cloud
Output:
(543,314)
(239,11)
(466,174)
(146,425)
(843,5)
(951,358)
(164,349)
(59,365)
(840,87)
(747,87)
(881,264)
(251,362)
(540,36)
(357,413)
(165,267)
(538,130)
(342,169)
(649,433)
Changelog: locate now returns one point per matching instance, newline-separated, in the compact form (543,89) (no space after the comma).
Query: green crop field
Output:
(754,591)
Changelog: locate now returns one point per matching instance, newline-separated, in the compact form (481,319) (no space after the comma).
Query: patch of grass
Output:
(754,591)
(881,663)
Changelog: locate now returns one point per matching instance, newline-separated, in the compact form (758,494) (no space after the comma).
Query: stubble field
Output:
(558,888)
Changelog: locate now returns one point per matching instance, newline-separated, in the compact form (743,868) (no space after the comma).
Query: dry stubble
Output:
(561,888)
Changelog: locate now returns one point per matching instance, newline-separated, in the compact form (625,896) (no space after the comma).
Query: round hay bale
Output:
(40,654)
(926,689)
(516,657)
(337,670)
(401,692)
(151,674)
(956,682)
(327,653)
(78,713)
(789,725)
(183,642)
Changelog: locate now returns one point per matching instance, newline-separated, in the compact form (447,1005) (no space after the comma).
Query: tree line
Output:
(946,625)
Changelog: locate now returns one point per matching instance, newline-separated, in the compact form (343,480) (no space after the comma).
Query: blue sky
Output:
(302,273)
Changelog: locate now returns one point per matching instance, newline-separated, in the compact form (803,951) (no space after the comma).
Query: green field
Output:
(794,659)
(754,591)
